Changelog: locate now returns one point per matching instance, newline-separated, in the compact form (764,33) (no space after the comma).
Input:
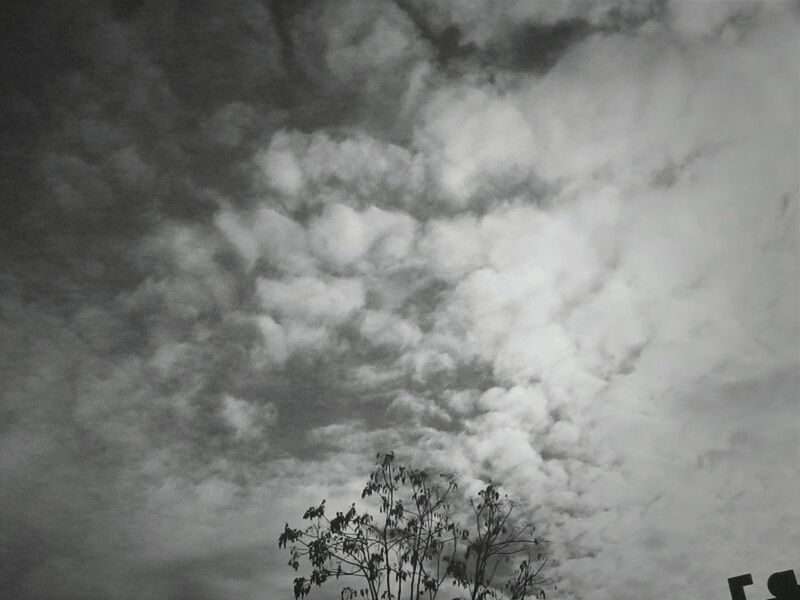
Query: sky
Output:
(247,245)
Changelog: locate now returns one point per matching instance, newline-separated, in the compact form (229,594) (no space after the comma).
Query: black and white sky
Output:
(247,244)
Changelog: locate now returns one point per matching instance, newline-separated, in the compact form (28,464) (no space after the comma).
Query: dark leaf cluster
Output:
(414,546)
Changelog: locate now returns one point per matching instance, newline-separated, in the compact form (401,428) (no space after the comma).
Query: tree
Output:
(415,547)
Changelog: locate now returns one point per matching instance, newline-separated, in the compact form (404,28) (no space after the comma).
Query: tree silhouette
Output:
(415,547)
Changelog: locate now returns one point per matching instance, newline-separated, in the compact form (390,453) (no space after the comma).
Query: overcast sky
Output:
(245,245)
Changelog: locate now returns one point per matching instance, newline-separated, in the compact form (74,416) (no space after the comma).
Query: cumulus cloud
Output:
(338,237)
(551,244)
(476,139)
(312,300)
(383,328)
(278,167)
(269,236)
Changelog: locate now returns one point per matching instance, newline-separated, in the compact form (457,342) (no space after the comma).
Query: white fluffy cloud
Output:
(476,138)
(279,168)
(339,237)
(304,314)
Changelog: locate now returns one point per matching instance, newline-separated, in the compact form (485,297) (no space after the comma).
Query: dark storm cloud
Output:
(529,46)
(529,37)
(246,247)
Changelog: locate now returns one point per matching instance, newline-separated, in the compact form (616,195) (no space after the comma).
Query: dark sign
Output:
(783,585)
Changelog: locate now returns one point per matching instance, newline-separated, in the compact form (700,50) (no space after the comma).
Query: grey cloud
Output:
(248,248)
(520,36)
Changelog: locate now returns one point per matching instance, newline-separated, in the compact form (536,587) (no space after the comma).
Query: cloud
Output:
(246,419)
(278,167)
(475,140)
(357,170)
(338,237)
(484,22)
(385,329)
(228,125)
(312,300)
(267,235)
(548,244)
(422,409)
